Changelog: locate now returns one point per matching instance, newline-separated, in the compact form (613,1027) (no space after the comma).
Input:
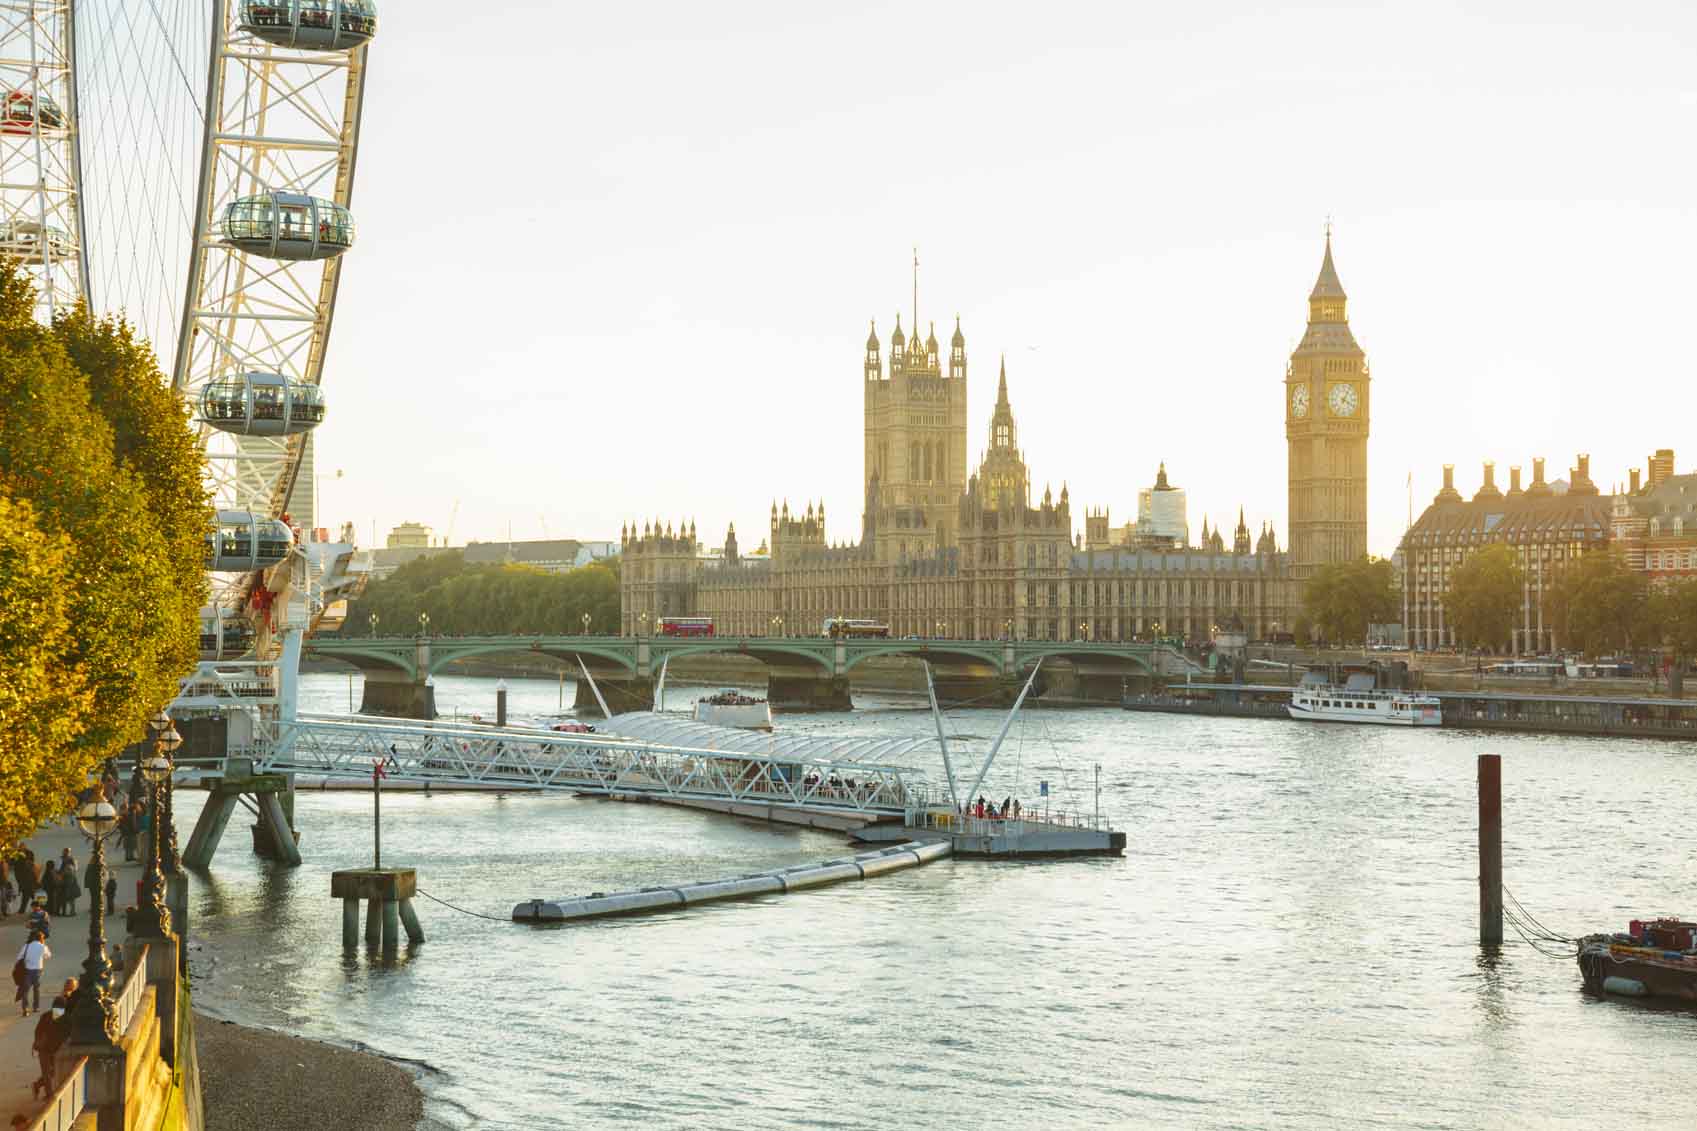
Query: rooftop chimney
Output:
(1488,490)
(1661,466)
(1635,481)
(1582,484)
(1514,490)
(1449,494)
(1539,488)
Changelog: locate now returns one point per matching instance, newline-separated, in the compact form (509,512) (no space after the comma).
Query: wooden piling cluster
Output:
(388,893)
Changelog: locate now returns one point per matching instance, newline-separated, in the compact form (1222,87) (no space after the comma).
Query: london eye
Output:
(191,166)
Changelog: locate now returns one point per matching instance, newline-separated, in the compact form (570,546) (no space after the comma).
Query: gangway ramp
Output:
(810,772)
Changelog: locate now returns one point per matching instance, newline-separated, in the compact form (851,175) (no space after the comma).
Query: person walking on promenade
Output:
(69,889)
(34,956)
(39,921)
(128,827)
(50,887)
(49,1035)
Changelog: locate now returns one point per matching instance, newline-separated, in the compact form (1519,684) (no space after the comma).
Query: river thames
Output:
(1289,941)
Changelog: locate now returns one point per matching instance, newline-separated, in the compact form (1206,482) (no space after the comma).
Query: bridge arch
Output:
(363,658)
(443,653)
(772,652)
(924,650)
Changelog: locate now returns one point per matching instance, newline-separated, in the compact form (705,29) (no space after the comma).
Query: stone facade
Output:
(946,555)
(1548,526)
(1654,522)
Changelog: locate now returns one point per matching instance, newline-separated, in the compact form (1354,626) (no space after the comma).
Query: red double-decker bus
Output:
(685,626)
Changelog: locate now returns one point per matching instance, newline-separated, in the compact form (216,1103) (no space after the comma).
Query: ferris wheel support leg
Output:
(288,674)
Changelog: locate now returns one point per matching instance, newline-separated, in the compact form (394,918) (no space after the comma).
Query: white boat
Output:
(731,708)
(1358,701)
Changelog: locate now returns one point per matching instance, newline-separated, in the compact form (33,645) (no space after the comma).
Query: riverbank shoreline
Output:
(265,1079)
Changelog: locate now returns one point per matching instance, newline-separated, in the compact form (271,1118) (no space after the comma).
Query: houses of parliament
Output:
(945,553)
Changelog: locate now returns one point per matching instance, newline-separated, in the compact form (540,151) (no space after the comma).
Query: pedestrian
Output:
(127,827)
(1016,809)
(111,890)
(50,887)
(31,958)
(39,920)
(49,1035)
(69,889)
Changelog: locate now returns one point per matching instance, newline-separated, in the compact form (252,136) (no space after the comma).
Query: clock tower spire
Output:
(1326,426)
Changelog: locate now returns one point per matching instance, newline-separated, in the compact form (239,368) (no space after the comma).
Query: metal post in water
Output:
(1490,850)
(377,817)
(501,703)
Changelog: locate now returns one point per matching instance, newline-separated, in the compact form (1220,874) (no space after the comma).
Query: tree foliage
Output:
(102,480)
(1485,596)
(1343,598)
(477,600)
(1673,612)
(1600,605)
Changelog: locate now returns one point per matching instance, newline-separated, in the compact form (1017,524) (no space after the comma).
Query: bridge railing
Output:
(517,760)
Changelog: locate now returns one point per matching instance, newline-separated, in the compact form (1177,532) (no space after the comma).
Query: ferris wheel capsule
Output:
(261,404)
(31,242)
(20,111)
(224,633)
(286,225)
(316,25)
(241,541)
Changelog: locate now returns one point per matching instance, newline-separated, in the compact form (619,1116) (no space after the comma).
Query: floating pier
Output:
(601,905)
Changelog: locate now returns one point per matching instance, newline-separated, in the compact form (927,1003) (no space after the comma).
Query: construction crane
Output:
(452,518)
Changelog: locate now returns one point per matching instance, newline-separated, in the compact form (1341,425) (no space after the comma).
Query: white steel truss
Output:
(279,120)
(40,169)
(463,756)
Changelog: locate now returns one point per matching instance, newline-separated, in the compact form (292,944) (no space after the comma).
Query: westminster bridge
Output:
(802,672)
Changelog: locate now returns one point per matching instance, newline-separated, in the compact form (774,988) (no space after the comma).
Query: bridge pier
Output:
(808,692)
(976,690)
(397,695)
(274,835)
(623,693)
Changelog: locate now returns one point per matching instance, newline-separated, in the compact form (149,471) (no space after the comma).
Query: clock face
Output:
(1343,400)
(1299,401)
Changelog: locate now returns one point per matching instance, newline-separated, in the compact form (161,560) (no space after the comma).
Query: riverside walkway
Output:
(69,943)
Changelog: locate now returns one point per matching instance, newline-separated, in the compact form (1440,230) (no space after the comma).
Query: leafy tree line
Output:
(1598,605)
(1343,598)
(102,514)
(479,600)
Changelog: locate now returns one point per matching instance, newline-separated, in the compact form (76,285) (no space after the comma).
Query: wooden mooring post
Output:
(1490,850)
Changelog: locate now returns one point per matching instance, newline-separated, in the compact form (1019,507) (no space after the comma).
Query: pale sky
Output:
(617,261)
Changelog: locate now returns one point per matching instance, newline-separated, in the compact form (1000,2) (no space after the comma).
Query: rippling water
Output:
(1289,941)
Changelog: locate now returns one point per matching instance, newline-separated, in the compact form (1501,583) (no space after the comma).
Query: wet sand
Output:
(259,1080)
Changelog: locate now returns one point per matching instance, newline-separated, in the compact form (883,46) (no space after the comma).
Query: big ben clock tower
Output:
(1326,417)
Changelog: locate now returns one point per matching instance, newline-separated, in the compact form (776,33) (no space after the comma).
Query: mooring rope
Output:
(1537,936)
(461,910)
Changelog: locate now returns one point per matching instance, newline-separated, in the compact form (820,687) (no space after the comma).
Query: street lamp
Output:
(424,624)
(372,620)
(940,627)
(1083,631)
(94,1021)
(644,630)
(586,624)
(152,918)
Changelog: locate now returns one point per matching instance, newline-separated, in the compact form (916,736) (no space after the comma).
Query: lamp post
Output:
(1007,630)
(643,631)
(586,624)
(153,918)
(1083,631)
(424,624)
(372,621)
(94,1021)
(779,622)
(940,627)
